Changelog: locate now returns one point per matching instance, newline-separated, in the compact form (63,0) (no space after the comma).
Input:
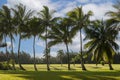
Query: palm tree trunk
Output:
(48,68)
(19,53)
(7,54)
(34,54)
(110,66)
(61,62)
(82,60)
(13,57)
(68,56)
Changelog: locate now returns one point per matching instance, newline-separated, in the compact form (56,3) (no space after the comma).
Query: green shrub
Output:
(5,66)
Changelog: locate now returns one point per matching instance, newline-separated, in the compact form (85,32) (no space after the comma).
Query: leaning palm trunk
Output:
(110,66)
(19,54)
(13,57)
(47,56)
(68,56)
(7,54)
(34,54)
(82,60)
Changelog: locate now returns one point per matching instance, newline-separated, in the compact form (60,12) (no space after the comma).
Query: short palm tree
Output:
(60,55)
(80,20)
(62,33)
(101,41)
(21,17)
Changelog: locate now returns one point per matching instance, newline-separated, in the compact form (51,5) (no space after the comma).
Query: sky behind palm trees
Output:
(99,8)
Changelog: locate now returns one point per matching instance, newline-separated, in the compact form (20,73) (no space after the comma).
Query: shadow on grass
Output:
(96,67)
(64,75)
(55,68)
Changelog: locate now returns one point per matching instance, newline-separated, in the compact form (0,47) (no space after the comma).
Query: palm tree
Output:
(115,16)
(8,29)
(80,20)
(34,29)
(60,55)
(46,16)
(63,33)
(5,17)
(21,17)
(101,41)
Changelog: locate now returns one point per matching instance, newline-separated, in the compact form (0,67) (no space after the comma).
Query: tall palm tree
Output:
(33,29)
(63,33)
(60,55)
(21,17)
(80,20)
(5,17)
(101,41)
(46,16)
(8,29)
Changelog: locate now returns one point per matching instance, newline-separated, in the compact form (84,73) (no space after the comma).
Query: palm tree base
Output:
(48,69)
(35,68)
(110,66)
(111,69)
(83,68)
(21,68)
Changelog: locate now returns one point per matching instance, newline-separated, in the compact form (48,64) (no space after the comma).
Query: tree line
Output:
(61,59)
(101,35)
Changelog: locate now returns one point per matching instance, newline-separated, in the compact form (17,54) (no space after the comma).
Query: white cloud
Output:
(40,43)
(99,10)
(9,44)
(93,1)
(36,5)
(62,7)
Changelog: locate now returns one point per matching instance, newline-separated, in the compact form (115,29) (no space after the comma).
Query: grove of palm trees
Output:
(100,44)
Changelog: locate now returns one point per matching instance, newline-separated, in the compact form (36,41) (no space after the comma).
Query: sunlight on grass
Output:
(70,77)
(11,77)
(57,72)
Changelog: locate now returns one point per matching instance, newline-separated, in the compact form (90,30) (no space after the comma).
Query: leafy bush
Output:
(5,66)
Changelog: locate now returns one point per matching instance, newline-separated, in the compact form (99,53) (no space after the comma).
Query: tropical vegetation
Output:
(101,35)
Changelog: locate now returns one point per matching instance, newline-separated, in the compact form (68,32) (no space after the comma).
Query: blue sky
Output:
(2,2)
(99,8)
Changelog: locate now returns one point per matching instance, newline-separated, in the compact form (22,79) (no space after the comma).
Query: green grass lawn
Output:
(61,73)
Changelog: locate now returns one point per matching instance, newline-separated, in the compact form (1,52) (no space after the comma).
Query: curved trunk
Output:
(34,54)
(82,60)
(110,66)
(7,54)
(68,56)
(19,53)
(13,57)
(47,56)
